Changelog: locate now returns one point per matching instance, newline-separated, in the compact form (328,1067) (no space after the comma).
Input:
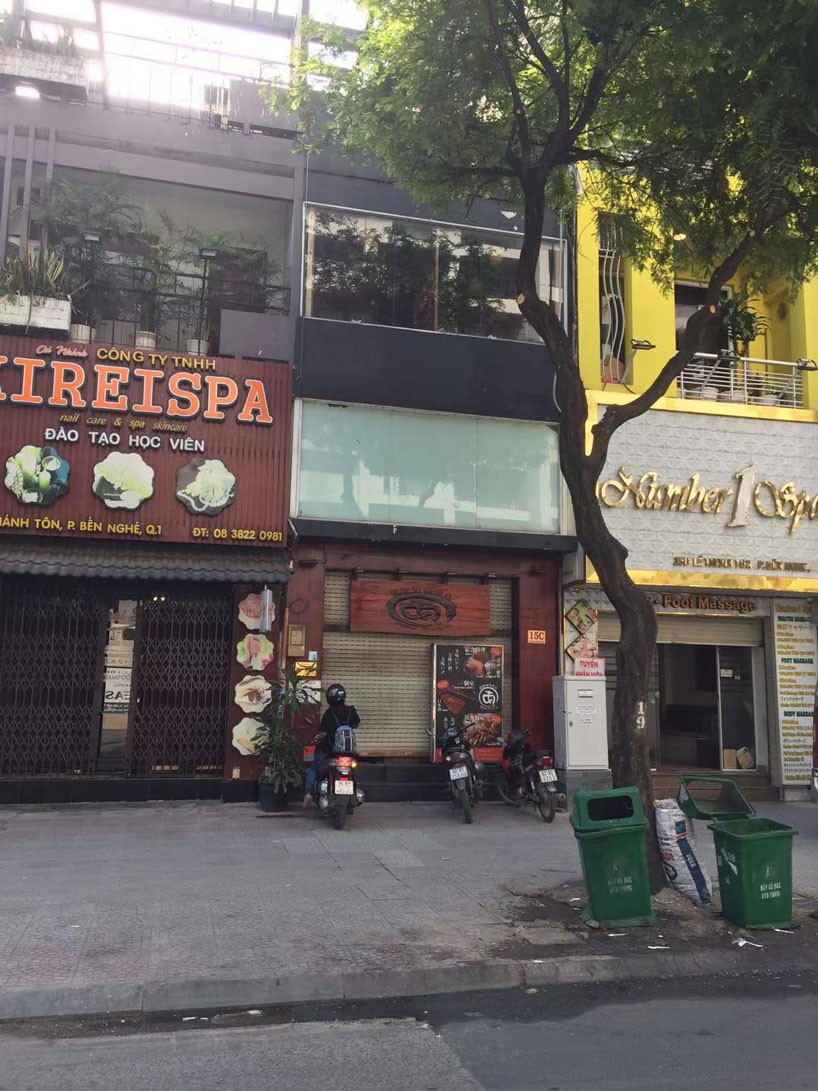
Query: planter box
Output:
(31,64)
(37,312)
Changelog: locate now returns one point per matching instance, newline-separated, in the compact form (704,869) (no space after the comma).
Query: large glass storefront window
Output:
(703,707)
(433,469)
(363,267)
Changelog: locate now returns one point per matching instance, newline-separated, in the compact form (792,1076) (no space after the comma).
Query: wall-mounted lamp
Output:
(805,364)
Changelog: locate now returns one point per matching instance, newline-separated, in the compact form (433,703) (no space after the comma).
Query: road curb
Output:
(218,994)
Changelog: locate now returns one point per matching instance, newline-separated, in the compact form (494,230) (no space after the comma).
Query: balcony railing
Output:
(181,306)
(745,380)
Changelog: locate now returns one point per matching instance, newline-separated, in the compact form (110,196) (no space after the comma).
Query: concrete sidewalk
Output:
(198,904)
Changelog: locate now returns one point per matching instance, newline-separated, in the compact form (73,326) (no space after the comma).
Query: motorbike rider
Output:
(338,714)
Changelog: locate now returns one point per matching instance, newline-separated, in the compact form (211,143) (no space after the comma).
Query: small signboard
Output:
(589,667)
(392,606)
(468,693)
(117,689)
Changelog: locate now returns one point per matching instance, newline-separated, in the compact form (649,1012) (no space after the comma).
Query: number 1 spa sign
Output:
(107,442)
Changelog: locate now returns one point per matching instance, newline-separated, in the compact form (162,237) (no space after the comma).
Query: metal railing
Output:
(180,306)
(745,380)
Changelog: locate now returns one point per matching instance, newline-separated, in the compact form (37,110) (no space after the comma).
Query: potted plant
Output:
(85,311)
(278,743)
(744,324)
(38,60)
(33,291)
(87,224)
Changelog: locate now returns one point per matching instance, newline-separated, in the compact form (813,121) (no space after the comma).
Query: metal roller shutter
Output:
(388,679)
(727,631)
(389,676)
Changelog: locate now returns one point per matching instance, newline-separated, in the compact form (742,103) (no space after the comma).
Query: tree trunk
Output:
(630,757)
(634,657)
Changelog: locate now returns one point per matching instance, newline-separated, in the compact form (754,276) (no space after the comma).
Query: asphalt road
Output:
(728,1034)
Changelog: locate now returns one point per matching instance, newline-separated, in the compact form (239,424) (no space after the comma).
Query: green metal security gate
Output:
(52,635)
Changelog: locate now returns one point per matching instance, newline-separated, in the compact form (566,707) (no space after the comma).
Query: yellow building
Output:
(715,494)
(621,311)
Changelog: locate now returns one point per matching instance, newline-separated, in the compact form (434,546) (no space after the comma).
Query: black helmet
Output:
(336,695)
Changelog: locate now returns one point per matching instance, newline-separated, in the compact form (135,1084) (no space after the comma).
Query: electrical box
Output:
(580,723)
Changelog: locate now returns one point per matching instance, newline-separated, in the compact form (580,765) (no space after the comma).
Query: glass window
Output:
(362,267)
(66,9)
(690,298)
(429,469)
(345,13)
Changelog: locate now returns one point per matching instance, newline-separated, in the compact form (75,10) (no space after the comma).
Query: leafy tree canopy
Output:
(695,117)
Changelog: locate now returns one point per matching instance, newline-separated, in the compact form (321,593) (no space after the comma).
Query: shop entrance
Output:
(101,678)
(707,706)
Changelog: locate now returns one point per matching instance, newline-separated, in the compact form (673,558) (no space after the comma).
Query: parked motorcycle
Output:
(528,776)
(336,791)
(465,783)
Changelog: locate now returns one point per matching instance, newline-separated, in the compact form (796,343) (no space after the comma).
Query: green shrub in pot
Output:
(277,740)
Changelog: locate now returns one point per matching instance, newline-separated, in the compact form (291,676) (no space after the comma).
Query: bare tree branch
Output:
(520,116)
(558,85)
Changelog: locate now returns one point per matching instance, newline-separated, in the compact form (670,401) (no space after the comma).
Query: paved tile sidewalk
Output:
(116,894)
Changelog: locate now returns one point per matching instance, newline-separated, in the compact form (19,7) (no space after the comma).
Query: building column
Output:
(536,613)
(589,348)
(650,315)
(804,336)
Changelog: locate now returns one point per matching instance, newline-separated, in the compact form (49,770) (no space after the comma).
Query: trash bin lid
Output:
(712,798)
(601,810)
(752,829)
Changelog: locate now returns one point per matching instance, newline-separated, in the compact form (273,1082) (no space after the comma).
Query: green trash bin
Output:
(754,858)
(610,831)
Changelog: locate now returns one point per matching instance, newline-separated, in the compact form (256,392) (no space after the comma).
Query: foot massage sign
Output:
(101,441)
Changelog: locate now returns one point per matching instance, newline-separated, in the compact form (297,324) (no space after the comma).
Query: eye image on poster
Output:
(468,692)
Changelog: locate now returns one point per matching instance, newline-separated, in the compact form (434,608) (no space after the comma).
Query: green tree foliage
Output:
(689,118)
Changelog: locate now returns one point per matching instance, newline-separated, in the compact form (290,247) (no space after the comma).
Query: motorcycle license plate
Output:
(548,775)
(344,787)
(459,774)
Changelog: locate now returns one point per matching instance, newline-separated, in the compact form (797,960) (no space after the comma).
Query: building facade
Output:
(414,434)
(405,504)
(716,505)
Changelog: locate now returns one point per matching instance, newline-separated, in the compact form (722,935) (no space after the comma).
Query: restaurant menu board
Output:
(795,664)
(468,692)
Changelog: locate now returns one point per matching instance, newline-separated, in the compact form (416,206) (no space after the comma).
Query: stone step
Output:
(755,786)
